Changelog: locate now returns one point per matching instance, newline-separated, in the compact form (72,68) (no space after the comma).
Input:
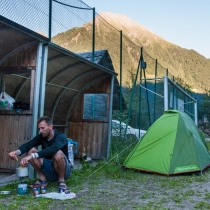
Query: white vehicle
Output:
(130,130)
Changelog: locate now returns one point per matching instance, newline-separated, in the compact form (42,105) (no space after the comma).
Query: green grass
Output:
(106,186)
(208,144)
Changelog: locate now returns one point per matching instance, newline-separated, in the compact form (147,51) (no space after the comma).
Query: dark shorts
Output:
(50,173)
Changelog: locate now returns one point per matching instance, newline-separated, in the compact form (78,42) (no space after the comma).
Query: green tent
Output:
(172,145)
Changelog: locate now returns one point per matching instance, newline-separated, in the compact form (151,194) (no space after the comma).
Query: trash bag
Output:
(21,105)
(6,101)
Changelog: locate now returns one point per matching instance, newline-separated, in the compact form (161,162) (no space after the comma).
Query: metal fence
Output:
(75,26)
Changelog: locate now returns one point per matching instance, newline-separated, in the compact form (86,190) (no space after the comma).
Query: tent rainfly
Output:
(172,145)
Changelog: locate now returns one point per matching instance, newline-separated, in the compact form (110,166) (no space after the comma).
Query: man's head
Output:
(45,127)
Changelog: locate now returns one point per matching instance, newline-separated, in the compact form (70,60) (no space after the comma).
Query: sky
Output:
(185,23)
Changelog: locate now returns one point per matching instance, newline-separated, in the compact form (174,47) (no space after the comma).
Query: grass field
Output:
(105,186)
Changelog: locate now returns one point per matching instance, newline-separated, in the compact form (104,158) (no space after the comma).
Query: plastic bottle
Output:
(75,145)
(71,154)
(3,102)
(84,155)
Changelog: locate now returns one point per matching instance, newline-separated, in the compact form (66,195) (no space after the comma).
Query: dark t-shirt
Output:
(49,148)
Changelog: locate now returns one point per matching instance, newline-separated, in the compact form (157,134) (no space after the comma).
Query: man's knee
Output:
(58,155)
(32,150)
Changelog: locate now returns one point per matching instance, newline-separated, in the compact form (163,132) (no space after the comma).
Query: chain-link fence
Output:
(75,26)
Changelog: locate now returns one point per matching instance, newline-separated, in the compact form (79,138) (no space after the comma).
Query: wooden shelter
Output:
(75,92)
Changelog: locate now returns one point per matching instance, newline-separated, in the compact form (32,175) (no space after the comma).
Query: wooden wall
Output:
(15,130)
(90,134)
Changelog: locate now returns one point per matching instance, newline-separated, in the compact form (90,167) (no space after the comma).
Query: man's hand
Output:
(13,155)
(25,160)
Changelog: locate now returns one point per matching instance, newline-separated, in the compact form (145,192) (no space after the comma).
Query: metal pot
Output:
(22,172)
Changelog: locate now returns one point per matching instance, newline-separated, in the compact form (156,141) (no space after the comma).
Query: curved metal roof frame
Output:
(65,69)
(21,86)
(80,61)
(61,71)
(75,98)
(16,50)
(70,82)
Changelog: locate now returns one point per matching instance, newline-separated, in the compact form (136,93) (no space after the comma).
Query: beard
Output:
(46,135)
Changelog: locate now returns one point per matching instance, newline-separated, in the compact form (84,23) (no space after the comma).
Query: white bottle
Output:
(70,153)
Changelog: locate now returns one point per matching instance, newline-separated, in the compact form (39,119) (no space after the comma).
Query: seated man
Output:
(51,163)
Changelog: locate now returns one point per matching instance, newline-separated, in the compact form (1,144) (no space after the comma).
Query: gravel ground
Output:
(152,193)
(139,191)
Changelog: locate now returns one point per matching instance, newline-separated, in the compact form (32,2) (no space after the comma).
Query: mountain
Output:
(188,67)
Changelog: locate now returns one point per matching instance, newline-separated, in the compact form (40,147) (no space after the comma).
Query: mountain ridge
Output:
(187,66)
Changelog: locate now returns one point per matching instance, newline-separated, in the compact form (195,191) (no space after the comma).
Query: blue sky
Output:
(182,22)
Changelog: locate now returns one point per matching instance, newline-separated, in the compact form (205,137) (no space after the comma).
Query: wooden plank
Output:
(4,142)
(91,135)
(6,170)
(15,130)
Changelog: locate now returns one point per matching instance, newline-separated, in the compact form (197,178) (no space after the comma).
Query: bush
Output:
(205,128)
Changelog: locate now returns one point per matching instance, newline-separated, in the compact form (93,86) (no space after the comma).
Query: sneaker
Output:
(62,188)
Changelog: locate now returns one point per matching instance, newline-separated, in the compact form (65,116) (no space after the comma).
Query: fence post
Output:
(93,43)
(145,83)
(50,20)
(155,89)
(167,72)
(120,72)
(140,101)
(120,80)
(133,91)
(196,113)
(173,95)
(165,93)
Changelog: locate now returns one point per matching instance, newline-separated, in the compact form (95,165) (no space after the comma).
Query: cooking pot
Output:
(22,172)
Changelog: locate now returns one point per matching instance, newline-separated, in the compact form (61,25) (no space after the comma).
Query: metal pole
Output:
(43,80)
(93,43)
(148,106)
(50,20)
(36,97)
(184,100)
(176,98)
(167,72)
(165,93)
(120,80)
(173,94)
(196,113)
(155,90)
(180,89)
(145,83)
(140,82)
(37,88)
(110,117)
(132,95)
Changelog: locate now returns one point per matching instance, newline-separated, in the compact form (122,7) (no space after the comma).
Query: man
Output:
(51,163)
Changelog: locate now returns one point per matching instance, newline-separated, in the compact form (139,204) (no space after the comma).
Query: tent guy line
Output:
(115,157)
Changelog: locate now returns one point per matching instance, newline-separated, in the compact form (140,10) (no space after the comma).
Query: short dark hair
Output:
(48,120)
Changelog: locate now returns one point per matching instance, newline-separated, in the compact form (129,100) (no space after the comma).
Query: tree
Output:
(204,115)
